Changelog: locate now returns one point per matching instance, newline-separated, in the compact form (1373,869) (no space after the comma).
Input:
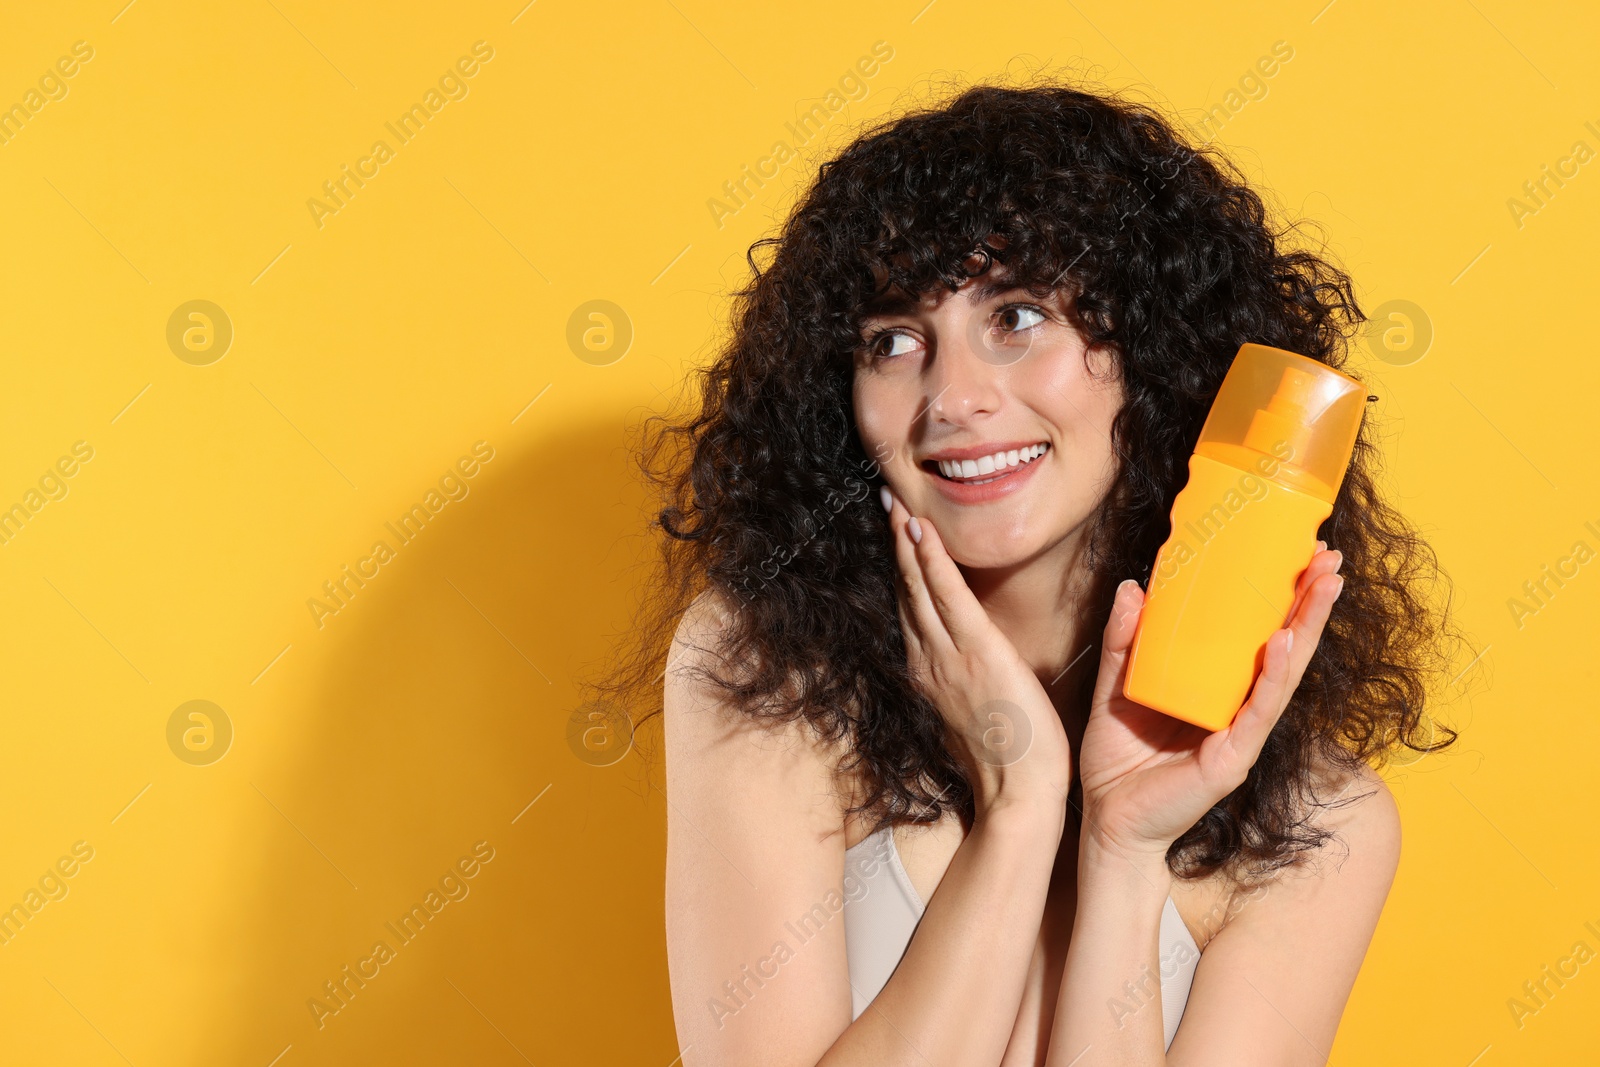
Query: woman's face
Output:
(955,393)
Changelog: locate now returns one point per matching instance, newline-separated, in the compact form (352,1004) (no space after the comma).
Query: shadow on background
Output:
(440,716)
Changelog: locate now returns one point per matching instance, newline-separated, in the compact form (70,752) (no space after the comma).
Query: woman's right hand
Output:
(1003,726)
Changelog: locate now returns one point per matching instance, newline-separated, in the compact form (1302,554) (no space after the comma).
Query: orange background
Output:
(373,346)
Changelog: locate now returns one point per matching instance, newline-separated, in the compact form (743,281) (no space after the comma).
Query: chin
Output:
(981,544)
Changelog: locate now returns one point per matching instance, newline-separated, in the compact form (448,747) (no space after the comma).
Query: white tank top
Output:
(882,909)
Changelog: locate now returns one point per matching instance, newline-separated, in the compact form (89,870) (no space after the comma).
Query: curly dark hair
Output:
(768,499)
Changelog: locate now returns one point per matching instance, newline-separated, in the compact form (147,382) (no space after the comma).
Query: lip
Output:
(996,489)
(979,451)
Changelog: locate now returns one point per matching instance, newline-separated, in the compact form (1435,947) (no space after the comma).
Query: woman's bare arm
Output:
(1273,984)
(1146,779)
(755,845)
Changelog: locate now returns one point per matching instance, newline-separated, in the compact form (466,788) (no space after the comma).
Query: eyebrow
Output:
(900,303)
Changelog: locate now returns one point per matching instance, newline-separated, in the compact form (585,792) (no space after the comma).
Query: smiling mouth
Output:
(986,469)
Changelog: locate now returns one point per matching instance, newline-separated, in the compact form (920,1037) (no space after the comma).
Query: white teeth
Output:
(986,465)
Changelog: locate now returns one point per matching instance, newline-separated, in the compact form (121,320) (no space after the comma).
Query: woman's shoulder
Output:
(1357,859)
(1357,808)
(1353,810)
(1359,855)
(724,749)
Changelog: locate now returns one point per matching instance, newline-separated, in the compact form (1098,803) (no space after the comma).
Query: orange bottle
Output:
(1262,479)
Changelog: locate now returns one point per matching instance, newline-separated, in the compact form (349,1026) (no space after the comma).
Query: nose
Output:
(962,385)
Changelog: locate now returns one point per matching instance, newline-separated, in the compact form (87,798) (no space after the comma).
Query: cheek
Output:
(878,424)
(1060,389)
(1099,458)
(1070,368)
(1079,405)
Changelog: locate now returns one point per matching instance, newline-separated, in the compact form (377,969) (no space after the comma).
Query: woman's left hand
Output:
(1147,777)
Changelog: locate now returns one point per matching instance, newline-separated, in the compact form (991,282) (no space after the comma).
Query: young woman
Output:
(912,820)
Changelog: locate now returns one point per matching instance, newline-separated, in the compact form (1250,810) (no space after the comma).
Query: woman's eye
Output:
(890,344)
(1019,317)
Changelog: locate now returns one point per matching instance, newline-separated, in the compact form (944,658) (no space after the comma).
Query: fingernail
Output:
(1288,644)
(1339,590)
(1122,587)
(886,497)
(1322,546)
(915,529)
(1340,562)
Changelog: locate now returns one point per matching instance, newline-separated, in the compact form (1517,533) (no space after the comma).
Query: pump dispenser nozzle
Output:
(1286,417)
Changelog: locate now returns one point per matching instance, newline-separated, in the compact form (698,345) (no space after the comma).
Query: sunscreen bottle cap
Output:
(1291,418)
